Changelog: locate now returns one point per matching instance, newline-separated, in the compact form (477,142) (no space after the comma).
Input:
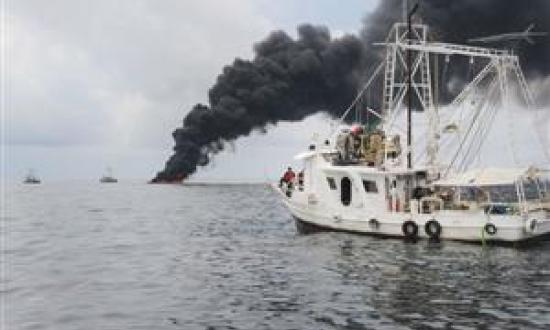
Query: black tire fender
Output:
(490,229)
(410,229)
(433,229)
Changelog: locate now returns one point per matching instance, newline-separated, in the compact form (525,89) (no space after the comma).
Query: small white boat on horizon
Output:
(31,178)
(108,177)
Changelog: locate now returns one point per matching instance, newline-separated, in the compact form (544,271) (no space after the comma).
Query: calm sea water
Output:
(137,256)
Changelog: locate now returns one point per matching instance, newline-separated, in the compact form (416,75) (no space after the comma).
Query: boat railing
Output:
(430,204)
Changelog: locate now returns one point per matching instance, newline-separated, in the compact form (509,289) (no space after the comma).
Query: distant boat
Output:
(108,177)
(31,178)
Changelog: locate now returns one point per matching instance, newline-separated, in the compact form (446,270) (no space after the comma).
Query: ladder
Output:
(425,82)
(389,81)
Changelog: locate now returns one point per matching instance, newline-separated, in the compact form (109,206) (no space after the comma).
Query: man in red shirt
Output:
(288,178)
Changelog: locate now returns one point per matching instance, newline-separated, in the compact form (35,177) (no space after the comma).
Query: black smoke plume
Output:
(288,80)
(457,21)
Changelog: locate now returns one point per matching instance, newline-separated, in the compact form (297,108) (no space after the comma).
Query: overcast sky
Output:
(91,84)
(97,83)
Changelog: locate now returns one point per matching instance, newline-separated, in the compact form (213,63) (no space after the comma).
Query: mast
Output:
(409,85)
(407,71)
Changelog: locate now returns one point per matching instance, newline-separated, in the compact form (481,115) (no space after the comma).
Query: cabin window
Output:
(472,194)
(331,183)
(370,186)
(532,190)
(504,194)
(345,193)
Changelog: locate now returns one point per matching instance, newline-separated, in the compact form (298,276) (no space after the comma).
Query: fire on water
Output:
(177,179)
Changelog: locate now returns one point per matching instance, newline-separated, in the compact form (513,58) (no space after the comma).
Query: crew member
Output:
(288,178)
(394,197)
(301,180)
(355,141)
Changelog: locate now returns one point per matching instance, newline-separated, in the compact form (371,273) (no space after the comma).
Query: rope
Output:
(358,97)
(483,127)
(479,136)
(487,130)
(470,128)
(445,70)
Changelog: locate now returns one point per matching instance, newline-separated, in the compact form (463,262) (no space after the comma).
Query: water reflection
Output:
(229,257)
(441,285)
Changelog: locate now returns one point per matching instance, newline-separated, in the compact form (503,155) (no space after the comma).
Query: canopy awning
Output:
(305,155)
(489,177)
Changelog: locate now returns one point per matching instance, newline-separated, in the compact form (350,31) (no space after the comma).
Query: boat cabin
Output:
(493,191)
(357,185)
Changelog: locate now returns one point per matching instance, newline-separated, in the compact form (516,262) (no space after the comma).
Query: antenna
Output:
(526,35)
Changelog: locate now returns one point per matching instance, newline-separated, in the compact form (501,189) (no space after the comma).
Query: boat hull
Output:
(306,228)
(453,227)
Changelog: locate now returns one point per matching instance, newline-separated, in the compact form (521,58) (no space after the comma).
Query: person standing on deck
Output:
(288,177)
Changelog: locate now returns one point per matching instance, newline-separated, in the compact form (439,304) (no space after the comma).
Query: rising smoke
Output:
(288,80)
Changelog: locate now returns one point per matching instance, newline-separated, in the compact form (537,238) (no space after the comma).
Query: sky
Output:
(91,84)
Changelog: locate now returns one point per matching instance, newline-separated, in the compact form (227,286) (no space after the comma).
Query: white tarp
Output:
(486,177)
(305,155)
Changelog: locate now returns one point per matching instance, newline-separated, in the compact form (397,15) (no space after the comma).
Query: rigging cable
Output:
(484,137)
(485,111)
(445,71)
(483,124)
(482,133)
(505,103)
(358,97)
(471,69)
(468,132)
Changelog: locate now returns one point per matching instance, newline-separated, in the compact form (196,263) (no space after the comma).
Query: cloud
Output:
(83,72)
(96,83)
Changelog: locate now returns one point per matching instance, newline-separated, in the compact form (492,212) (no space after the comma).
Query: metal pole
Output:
(409,87)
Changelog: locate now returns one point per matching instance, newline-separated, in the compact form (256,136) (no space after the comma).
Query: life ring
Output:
(374,224)
(410,229)
(490,229)
(433,229)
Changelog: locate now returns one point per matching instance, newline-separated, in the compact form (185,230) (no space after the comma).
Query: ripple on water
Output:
(136,256)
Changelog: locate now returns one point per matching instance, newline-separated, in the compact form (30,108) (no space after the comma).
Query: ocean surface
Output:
(136,256)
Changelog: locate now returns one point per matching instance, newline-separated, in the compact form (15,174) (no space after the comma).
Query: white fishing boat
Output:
(372,179)
(31,178)
(108,177)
